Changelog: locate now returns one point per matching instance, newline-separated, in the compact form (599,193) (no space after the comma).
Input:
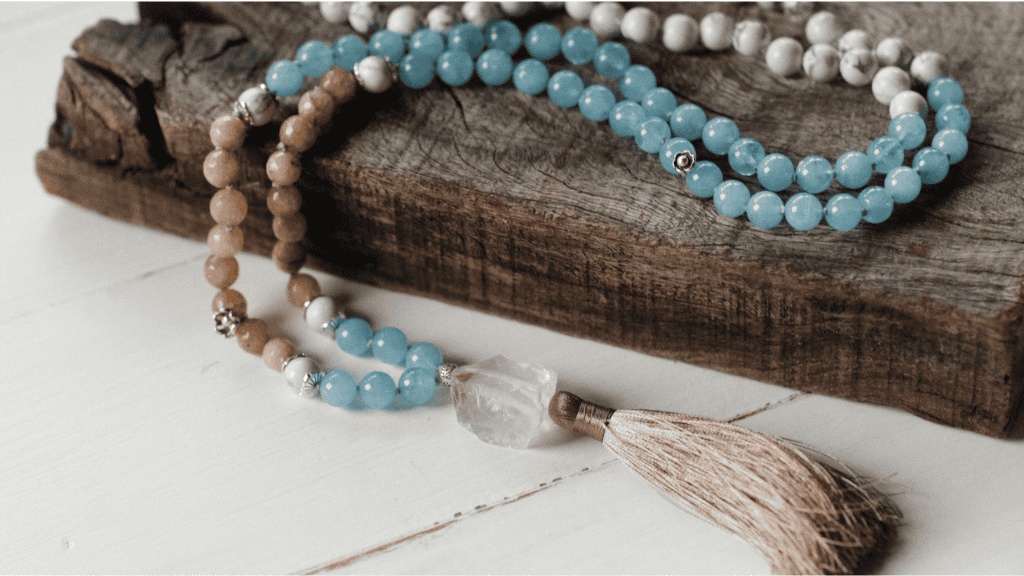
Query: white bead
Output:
(516,8)
(364,17)
(821,62)
(374,74)
(579,10)
(640,25)
(260,103)
(441,18)
(404,20)
(296,369)
(480,13)
(823,28)
(334,12)
(750,37)
(681,33)
(928,66)
(854,39)
(889,82)
(783,56)
(894,52)
(858,66)
(908,101)
(320,311)
(716,31)
(606,19)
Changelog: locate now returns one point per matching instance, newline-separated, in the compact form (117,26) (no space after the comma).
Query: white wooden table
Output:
(132,439)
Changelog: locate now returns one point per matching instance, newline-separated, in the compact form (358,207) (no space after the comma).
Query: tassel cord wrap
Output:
(804,516)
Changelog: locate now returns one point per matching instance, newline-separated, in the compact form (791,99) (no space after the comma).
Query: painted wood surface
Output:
(133,439)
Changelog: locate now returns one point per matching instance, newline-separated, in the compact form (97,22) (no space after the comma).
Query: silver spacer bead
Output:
(683,162)
(256,106)
(226,322)
(444,374)
(309,388)
(289,359)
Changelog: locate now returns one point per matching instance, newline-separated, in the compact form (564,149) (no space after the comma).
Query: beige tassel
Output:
(804,516)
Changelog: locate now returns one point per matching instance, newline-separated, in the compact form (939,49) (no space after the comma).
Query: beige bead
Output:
(284,200)
(228,207)
(298,133)
(301,289)
(289,256)
(232,300)
(221,272)
(220,168)
(889,82)
(252,335)
(228,132)
(783,56)
(224,241)
(290,227)
(716,31)
(276,351)
(858,66)
(283,168)
(317,105)
(823,28)
(821,63)
(340,84)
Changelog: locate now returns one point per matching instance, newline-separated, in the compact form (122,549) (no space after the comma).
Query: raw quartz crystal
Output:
(501,401)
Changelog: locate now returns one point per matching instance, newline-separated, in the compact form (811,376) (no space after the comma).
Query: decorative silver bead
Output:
(256,105)
(309,387)
(226,322)
(683,162)
(444,374)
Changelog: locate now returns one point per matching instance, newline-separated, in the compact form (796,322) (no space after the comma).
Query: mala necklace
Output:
(805,516)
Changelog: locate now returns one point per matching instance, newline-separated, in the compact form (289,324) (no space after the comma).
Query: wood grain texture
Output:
(506,203)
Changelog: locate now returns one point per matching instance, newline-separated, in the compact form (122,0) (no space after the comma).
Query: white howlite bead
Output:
(894,52)
(852,40)
(480,14)
(681,32)
(858,66)
(374,74)
(296,369)
(640,25)
(783,56)
(928,66)
(716,31)
(821,62)
(320,311)
(606,19)
(260,105)
(908,101)
(889,82)
(441,18)
(515,8)
(404,20)
(823,28)
(334,12)
(751,37)
(365,17)
(579,10)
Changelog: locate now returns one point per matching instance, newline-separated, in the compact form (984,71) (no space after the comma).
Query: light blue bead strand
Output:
(353,336)
(348,51)
(494,67)
(744,156)
(466,37)
(803,211)
(454,67)
(416,69)
(314,58)
(903,184)
(931,164)
(953,143)
(814,174)
(731,198)
(637,81)
(426,41)
(953,116)
(625,118)
(687,121)
(853,169)
(885,153)
(338,388)
(543,41)
(719,134)
(388,45)
(530,77)
(703,179)
(377,390)
(564,88)
(658,103)
(611,60)
(417,385)
(651,135)
(944,91)
(842,212)
(909,129)
(389,345)
(504,36)
(775,172)
(670,148)
(877,204)
(423,355)
(284,78)
(764,209)
(596,102)
(579,45)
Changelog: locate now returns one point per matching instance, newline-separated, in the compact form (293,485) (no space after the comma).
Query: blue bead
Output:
(953,143)
(494,67)
(944,91)
(314,58)
(353,336)
(426,41)
(284,78)
(719,134)
(658,103)
(377,390)
(504,36)
(803,211)
(389,345)
(764,209)
(348,51)
(909,129)
(417,385)
(775,172)
(744,156)
(853,169)
(596,102)
(687,121)
(388,45)
(903,184)
(651,134)
(338,388)
(543,41)
(885,153)
(703,179)
(953,116)
(814,174)
(416,69)
(467,38)
(625,118)
(877,204)
(423,355)
(637,81)
(842,212)
(670,148)
(564,88)
(530,77)
(731,198)
(931,164)
(454,67)
(579,45)
(611,60)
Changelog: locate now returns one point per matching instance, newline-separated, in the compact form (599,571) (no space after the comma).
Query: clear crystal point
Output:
(501,401)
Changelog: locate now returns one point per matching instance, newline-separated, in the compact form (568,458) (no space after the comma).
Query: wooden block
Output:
(508,204)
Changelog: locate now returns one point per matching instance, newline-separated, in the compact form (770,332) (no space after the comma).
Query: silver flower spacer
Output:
(226,322)
(444,374)
(309,388)
(683,162)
